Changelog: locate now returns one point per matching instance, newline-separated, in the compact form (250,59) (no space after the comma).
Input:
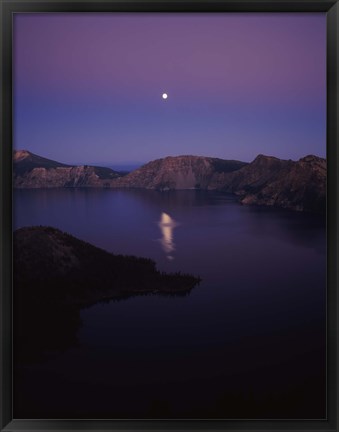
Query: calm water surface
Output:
(248,342)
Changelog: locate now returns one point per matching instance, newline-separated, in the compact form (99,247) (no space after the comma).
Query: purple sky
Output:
(87,87)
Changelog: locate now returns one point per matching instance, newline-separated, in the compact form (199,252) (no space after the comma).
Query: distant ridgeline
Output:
(297,185)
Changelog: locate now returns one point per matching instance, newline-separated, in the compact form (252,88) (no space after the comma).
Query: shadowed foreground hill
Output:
(72,271)
(56,274)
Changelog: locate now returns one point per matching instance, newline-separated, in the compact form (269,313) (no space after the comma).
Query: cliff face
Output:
(32,171)
(180,172)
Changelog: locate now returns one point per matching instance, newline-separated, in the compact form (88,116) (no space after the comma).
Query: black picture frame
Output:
(7,9)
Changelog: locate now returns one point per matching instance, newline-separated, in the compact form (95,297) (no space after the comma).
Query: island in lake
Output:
(56,274)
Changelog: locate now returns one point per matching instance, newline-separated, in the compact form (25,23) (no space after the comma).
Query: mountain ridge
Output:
(267,180)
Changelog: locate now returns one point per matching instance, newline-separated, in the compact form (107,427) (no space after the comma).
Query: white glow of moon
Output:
(164,95)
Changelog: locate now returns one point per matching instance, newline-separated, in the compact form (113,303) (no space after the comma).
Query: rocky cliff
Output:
(180,172)
(33,171)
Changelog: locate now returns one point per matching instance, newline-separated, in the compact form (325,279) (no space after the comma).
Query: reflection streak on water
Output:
(167,225)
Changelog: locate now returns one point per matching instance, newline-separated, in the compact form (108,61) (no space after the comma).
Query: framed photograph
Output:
(169,212)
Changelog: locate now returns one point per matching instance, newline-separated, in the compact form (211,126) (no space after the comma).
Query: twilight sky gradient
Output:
(87,87)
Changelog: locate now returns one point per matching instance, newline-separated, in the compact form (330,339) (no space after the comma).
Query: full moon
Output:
(164,96)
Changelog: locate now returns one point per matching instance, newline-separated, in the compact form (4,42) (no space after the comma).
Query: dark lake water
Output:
(248,342)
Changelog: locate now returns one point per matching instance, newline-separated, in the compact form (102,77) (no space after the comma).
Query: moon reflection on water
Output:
(167,225)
